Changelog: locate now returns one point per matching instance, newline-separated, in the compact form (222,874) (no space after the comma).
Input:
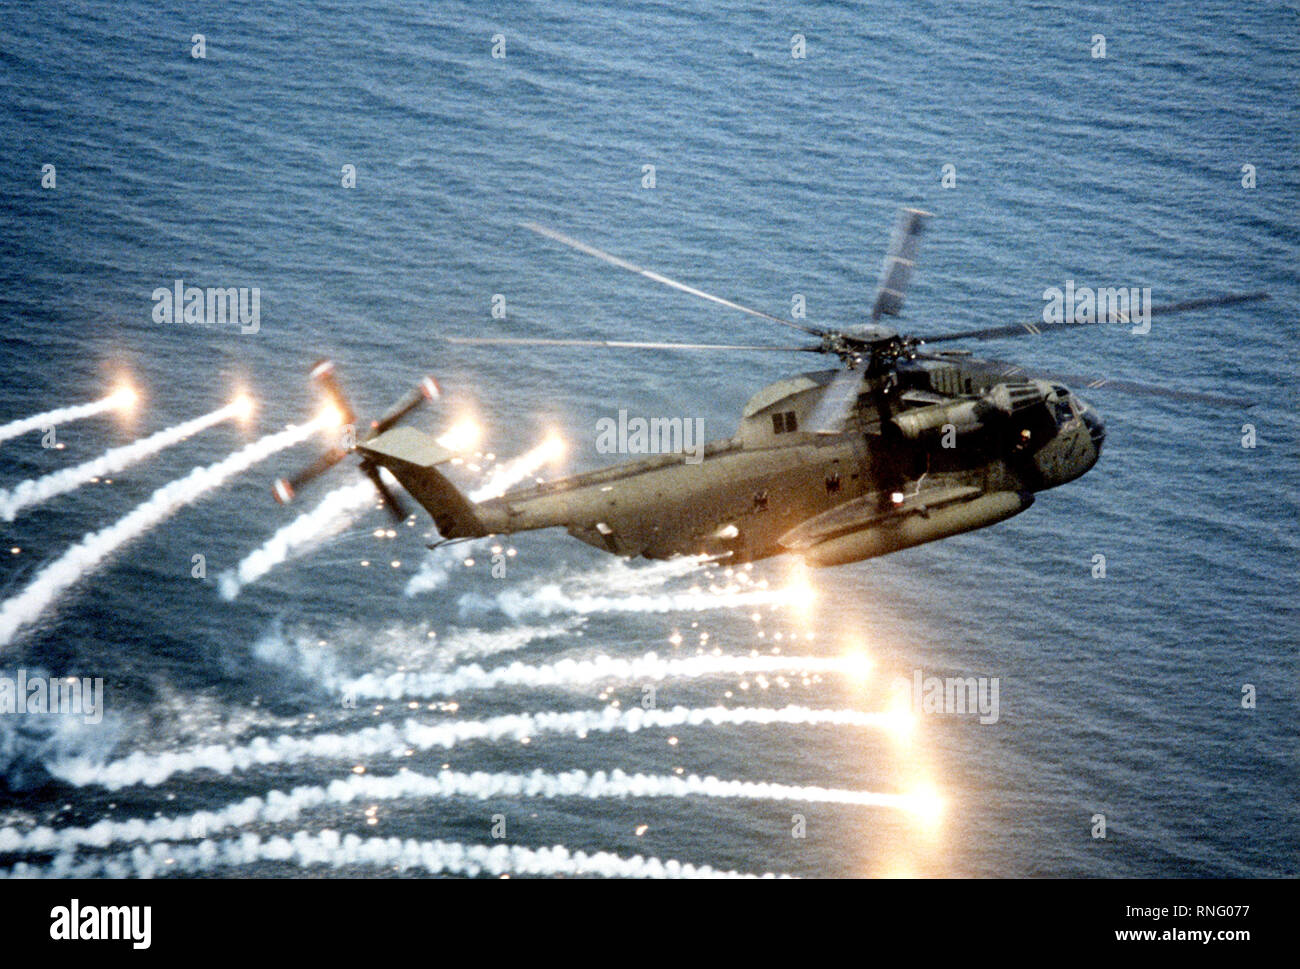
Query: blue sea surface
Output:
(773,175)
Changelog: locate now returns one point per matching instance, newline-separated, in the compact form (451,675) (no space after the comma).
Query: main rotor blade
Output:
(613,260)
(896,272)
(1082,382)
(1039,327)
(836,402)
(617,344)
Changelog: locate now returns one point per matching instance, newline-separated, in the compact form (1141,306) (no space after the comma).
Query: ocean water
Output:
(773,176)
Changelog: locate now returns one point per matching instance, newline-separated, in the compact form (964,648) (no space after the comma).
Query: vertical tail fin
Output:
(413,457)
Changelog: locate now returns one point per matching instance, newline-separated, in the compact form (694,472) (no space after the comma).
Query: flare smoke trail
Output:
(39,490)
(65,415)
(302,654)
(439,563)
(569,672)
(277,807)
(335,511)
(618,576)
(346,851)
(551,599)
(437,566)
(517,469)
(79,560)
(480,643)
(389,739)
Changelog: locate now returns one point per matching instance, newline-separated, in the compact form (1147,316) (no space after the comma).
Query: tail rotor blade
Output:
(285,489)
(323,373)
(426,389)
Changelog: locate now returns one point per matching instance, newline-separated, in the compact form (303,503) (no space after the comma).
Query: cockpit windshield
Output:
(1065,407)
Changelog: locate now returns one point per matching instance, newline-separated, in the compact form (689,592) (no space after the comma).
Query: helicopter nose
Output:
(1096,428)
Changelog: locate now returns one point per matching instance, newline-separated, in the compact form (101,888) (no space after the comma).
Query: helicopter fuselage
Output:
(925,456)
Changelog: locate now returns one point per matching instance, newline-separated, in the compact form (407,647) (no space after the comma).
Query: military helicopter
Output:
(899,446)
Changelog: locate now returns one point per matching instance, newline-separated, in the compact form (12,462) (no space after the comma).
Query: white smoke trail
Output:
(335,511)
(313,658)
(65,415)
(38,490)
(517,469)
(277,807)
(82,558)
(471,643)
(307,850)
(570,672)
(438,565)
(620,576)
(551,599)
(617,576)
(392,740)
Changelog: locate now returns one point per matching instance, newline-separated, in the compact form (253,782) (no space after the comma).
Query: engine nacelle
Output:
(1001,400)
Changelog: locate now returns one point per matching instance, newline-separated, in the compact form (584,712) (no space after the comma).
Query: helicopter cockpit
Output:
(1069,407)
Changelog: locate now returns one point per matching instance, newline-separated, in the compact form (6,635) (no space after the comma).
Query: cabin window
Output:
(783,422)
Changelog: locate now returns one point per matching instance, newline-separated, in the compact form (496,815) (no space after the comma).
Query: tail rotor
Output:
(324,375)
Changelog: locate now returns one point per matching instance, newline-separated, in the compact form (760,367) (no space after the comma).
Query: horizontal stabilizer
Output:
(407,445)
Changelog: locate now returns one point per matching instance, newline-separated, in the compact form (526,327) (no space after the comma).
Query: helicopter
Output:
(899,445)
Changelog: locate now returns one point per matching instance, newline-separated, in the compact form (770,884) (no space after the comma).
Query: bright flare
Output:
(799,592)
(124,398)
(461,436)
(66,415)
(858,664)
(924,804)
(243,406)
(553,448)
(518,469)
(330,417)
(900,709)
